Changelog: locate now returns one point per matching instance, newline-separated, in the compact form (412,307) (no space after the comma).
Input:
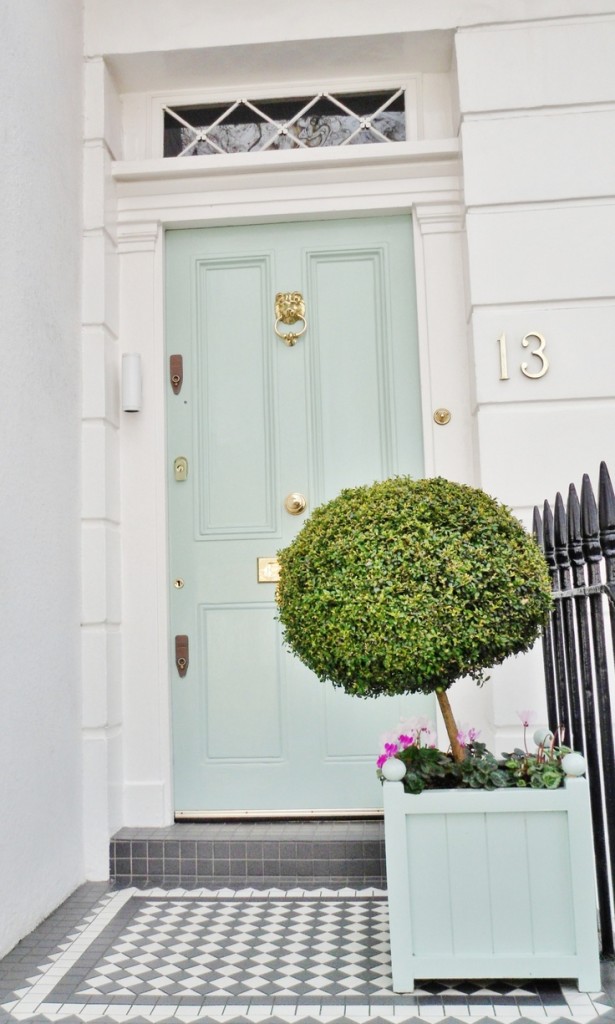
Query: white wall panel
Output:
(41,857)
(101,115)
(99,294)
(99,459)
(99,375)
(99,198)
(526,255)
(437,107)
(101,666)
(535,65)
(531,450)
(101,762)
(546,156)
(100,577)
(123,26)
(517,684)
(580,347)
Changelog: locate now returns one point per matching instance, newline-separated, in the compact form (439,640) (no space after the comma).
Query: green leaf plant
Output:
(414,744)
(406,585)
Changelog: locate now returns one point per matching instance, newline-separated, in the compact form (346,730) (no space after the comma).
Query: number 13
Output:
(538,352)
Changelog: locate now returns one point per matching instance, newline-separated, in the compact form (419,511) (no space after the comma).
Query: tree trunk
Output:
(451,726)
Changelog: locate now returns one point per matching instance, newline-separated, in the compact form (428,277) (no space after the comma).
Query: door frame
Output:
(152,197)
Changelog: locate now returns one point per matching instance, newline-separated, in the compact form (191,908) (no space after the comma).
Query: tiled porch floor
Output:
(236,955)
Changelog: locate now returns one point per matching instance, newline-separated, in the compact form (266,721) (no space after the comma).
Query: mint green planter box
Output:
(491,884)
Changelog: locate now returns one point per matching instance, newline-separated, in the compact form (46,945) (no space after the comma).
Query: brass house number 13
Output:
(536,345)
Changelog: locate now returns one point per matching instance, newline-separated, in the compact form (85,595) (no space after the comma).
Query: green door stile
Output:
(253,730)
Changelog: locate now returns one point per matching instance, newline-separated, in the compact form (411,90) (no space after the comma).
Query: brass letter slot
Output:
(182,654)
(268,570)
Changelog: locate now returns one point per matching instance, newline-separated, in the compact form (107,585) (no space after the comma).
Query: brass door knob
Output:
(295,503)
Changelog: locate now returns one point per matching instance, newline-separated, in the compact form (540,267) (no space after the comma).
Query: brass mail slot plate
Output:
(268,570)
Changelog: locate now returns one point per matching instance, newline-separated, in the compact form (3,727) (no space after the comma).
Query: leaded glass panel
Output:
(297,123)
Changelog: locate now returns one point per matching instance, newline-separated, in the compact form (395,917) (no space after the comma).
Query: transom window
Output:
(302,122)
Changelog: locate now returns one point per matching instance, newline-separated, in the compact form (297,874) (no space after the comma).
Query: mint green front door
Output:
(256,421)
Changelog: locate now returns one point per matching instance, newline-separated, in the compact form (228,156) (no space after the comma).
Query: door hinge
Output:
(182,654)
(176,373)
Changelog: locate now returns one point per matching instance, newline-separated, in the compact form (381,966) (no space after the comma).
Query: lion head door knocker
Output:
(289,309)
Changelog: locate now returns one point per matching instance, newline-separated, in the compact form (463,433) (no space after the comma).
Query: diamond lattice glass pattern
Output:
(297,123)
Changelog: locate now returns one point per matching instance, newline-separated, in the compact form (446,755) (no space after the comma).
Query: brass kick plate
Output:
(268,570)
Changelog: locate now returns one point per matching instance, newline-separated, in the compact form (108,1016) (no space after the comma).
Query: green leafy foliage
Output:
(481,770)
(542,770)
(406,585)
(430,768)
(426,768)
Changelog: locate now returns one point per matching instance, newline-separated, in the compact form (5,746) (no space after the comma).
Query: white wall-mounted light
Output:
(132,388)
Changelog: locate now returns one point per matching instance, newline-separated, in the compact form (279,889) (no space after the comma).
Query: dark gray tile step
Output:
(251,853)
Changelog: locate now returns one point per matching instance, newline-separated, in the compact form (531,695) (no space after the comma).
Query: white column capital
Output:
(439,218)
(139,236)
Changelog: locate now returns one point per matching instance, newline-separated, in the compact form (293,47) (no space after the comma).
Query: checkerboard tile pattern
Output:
(231,956)
(240,949)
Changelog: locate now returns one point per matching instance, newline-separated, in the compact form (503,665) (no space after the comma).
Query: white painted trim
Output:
(410,155)
(540,22)
(423,339)
(279,90)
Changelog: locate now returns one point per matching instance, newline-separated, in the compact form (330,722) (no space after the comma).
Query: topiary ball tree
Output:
(406,585)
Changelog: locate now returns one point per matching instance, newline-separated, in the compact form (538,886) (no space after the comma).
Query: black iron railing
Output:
(579,650)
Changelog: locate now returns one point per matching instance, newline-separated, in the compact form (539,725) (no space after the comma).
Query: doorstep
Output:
(276,853)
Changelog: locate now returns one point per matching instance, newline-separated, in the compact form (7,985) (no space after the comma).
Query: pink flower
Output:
(381,760)
(390,749)
(527,718)
(405,741)
(466,736)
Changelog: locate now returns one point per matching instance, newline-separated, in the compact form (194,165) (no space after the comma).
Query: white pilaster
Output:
(100,500)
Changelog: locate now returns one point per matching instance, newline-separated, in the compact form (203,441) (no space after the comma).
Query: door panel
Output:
(226,664)
(236,388)
(257,420)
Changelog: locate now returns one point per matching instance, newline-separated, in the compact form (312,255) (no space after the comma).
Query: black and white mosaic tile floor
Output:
(249,955)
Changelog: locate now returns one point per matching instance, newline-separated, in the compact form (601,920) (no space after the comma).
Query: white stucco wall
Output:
(41,858)
(538,141)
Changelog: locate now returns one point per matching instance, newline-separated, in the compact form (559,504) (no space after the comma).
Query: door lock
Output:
(182,654)
(180,468)
(176,373)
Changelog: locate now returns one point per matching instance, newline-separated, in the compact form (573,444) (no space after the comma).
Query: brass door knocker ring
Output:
(290,309)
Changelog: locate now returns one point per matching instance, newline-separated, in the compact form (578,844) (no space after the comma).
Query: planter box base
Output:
(491,885)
